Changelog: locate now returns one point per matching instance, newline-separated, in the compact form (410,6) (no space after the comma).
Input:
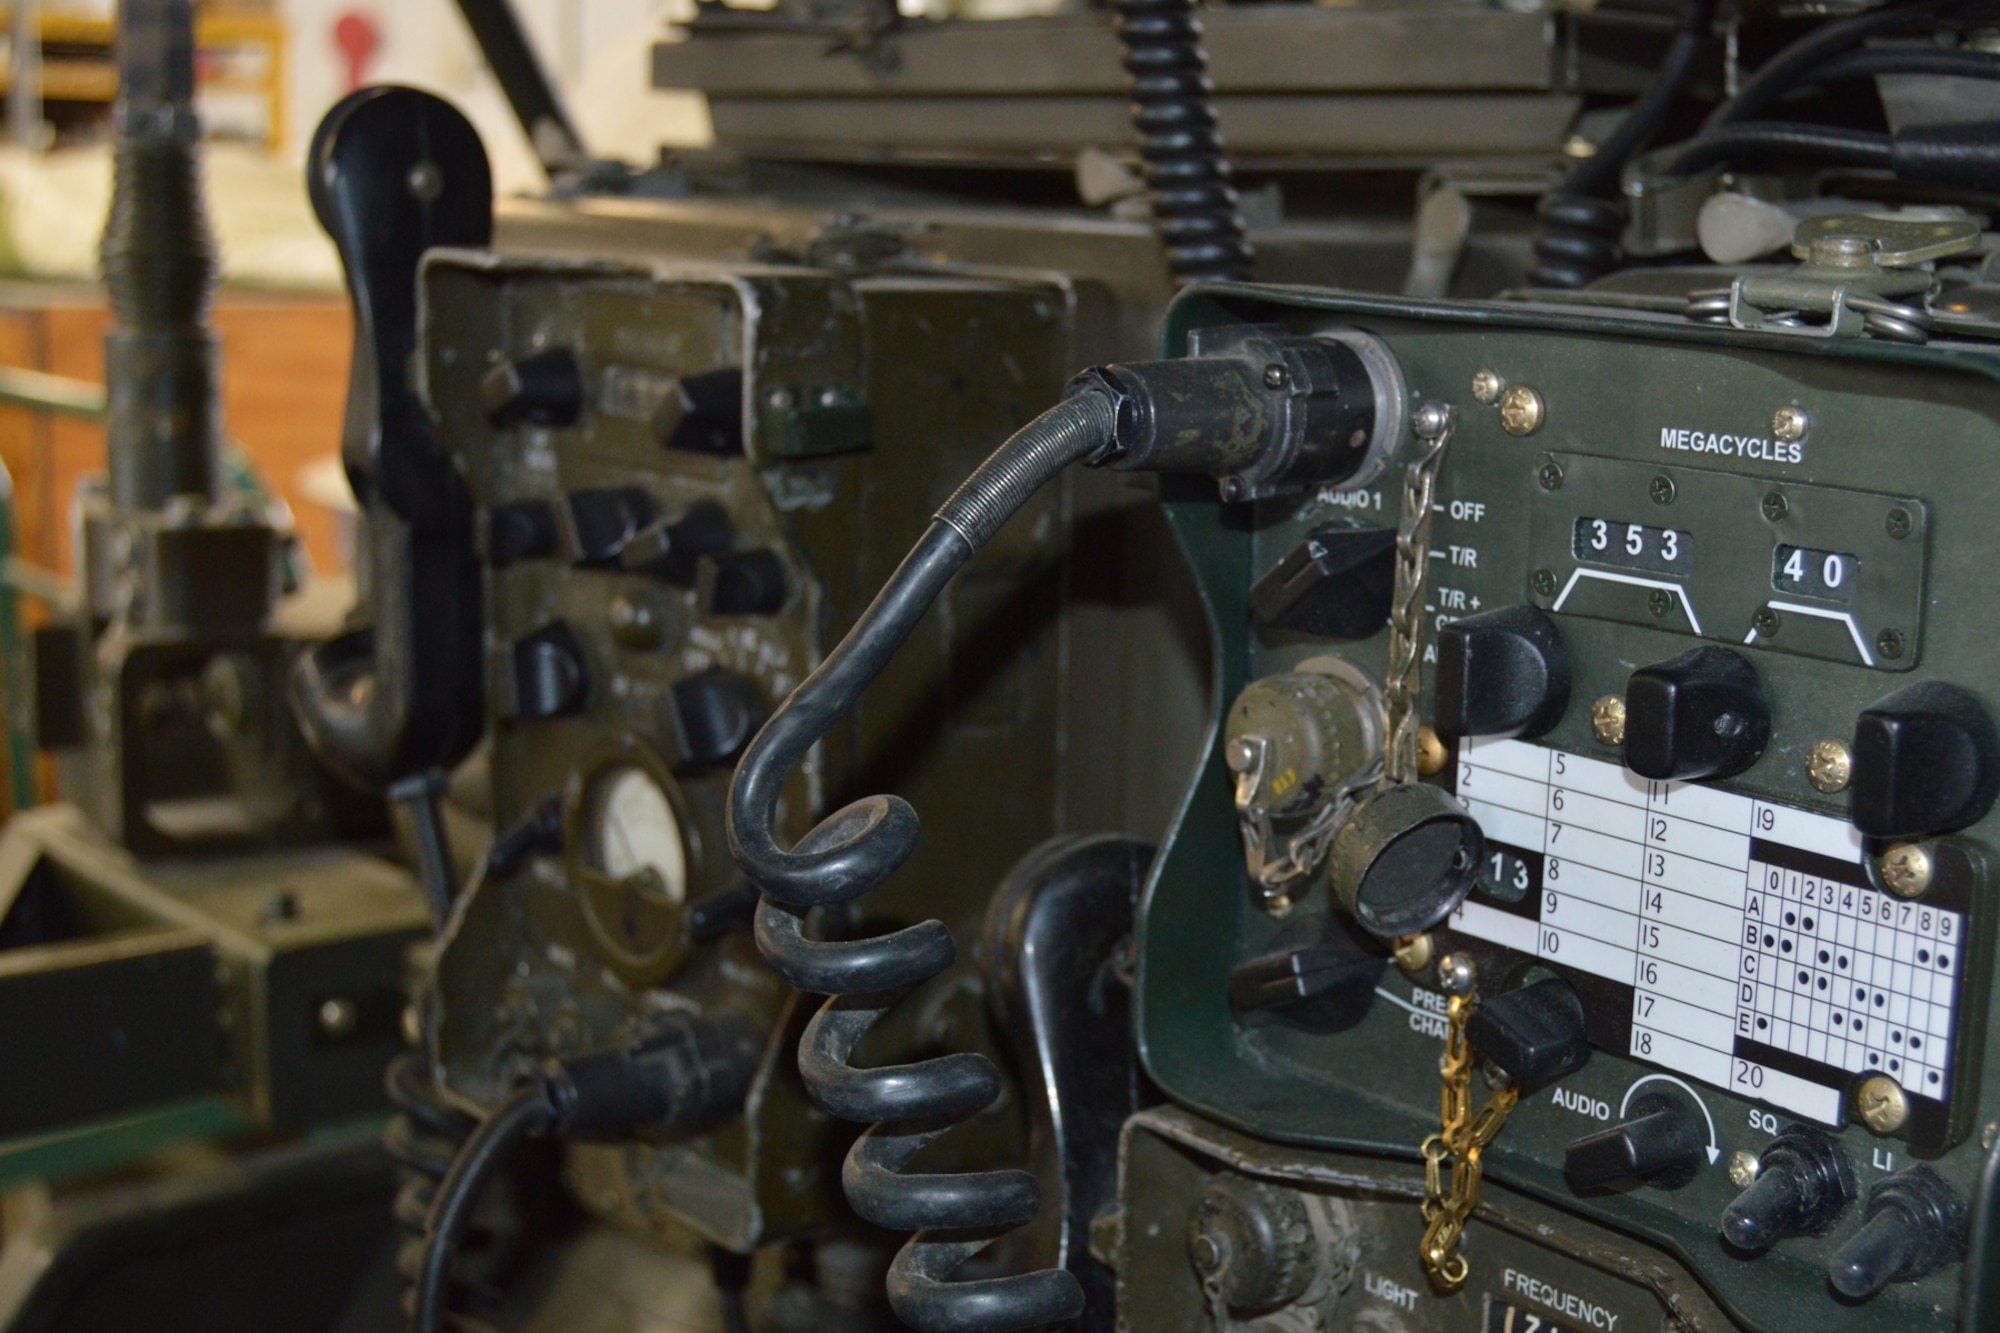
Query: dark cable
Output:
(849,853)
(1763,140)
(1796,62)
(1173,109)
(521,1117)
(1579,225)
(1868,64)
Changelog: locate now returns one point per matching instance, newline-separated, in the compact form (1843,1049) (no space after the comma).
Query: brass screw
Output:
(1431,753)
(1414,953)
(1829,766)
(1487,387)
(1456,974)
(1607,720)
(1521,410)
(1882,1104)
(1790,423)
(1906,870)
(1742,1169)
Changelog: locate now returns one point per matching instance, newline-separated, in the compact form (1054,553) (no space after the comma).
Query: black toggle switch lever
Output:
(1916,1225)
(1661,1145)
(1503,672)
(1803,1183)
(1534,1034)
(1926,760)
(1701,715)
(543,389)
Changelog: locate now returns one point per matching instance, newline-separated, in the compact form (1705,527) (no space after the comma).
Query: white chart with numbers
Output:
(1758,957)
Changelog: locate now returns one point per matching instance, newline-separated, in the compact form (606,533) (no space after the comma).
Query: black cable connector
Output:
(1959,157)
(686,1073)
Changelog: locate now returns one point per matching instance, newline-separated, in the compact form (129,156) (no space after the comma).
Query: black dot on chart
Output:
(1843,961)
(1763,1023)
(1879,1001)
(1838,1021)
(1944,961)
(1857,1025)
(1791,919)
(1896,1037)
(1916,1043)
(1824,958)
(1895,1064)
(1770,940)
(1822,983)
(1923,955)
(1806,924)
(1860,994)
(1804,977)
(1786,947)
(1874,1059)
(1933,1076)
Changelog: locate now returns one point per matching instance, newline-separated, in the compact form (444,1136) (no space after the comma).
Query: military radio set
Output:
(1447,788)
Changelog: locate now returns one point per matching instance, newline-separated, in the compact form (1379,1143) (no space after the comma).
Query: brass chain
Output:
(1462,1138)
(1433,424)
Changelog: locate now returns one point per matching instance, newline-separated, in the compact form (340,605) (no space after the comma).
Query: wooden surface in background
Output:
(284,387)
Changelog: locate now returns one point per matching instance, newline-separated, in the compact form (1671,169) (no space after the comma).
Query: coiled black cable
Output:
(849,853)
(1195,207)
(1578,227)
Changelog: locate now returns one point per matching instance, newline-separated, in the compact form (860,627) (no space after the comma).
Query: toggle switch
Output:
(1698,716)
(1661,1145)
(541,389)
(1316,975)
(1803,1183)
(1926,760)
(1916,1225)
(1503,672)
(1534,1034)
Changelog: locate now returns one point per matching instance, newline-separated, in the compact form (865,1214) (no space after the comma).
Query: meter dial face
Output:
(633,855)
(634,831)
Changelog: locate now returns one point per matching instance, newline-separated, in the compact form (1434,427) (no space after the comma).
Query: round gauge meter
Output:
(634,830)
(634,859)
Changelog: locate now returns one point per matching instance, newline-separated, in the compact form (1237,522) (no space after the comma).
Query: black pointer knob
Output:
(1916,1225)
(672,550)
(1317,975)
(1535,1034)
(749,583)
(1503,672)
(1661,1145)
(1803,1183)
(544,674)
(715,713)
(542,389)
(1926,760)
(1701,715)
(1333,585)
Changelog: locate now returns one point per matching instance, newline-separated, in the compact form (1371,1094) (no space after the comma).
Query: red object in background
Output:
(358,38)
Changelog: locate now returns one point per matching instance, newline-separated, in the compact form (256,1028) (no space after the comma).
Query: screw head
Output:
(1431,420)
(1882,1105)
(1742,1169)
(1607,720)
(1456,974)
(1659,601)
(338,1016)
(1274,376)
(1414,953)
(1898,523)
(1790,423)
(1431,754)
(1774,506)
(1521,410)
(1543,581)
(1233,488)
(780,399)
(1829,765)
(1766,622)
(425,182)
(1889,643)
(1551,476)
(1487,386)
(1661,489)
(1907,870)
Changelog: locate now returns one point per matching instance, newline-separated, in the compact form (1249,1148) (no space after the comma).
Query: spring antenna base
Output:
(852,850)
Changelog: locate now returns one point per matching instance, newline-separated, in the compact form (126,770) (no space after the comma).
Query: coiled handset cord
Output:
(849,853)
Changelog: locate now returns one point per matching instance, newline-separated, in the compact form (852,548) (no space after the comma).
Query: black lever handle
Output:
(394,172)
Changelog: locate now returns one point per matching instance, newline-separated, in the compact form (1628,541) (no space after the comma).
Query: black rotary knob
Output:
(1915,1226)
(1317,974)
(1804,1182)
(1926,760)
(1661,1144)
(1534,1034)
(1698,716)
(714,714)
(1503,672)
(543,389)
